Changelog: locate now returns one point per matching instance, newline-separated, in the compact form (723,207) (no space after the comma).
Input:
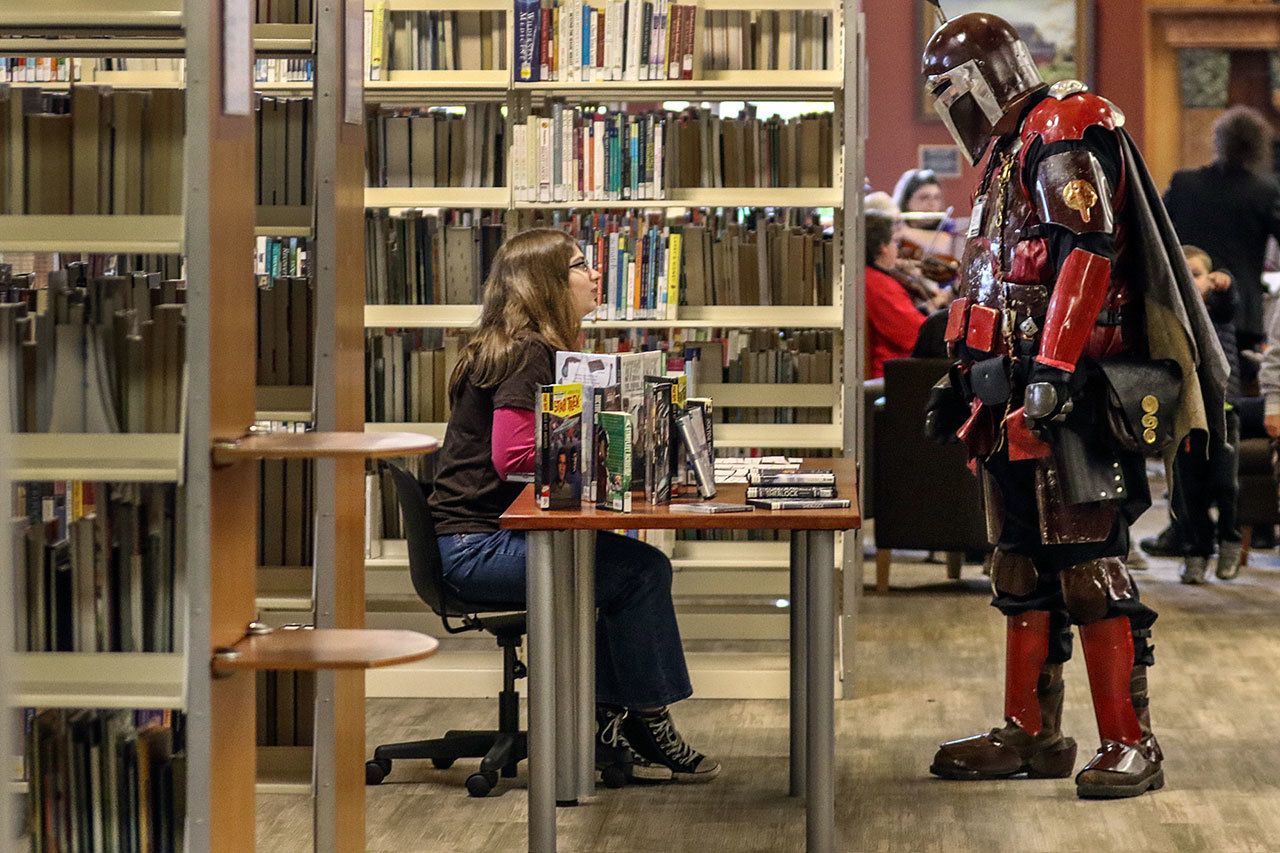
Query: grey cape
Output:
(1178,325)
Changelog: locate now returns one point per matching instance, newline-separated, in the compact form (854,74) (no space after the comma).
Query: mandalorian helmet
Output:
(976,69)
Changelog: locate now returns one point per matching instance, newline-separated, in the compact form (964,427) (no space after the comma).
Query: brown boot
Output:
(1129,761)
(1031,740)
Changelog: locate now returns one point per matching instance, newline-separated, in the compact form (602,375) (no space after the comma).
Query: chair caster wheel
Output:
(480,784)
(442,763)
(376,770)
(613,776)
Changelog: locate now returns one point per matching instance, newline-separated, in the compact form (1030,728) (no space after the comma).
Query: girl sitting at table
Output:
(537,292)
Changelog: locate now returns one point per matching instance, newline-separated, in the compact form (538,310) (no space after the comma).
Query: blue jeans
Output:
(639,659)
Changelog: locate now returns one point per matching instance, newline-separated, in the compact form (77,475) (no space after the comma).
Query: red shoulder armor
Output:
(1059,119)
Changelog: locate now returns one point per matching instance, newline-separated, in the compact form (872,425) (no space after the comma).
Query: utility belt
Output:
(981,329)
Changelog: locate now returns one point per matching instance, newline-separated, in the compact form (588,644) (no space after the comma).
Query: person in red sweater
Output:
(893,321)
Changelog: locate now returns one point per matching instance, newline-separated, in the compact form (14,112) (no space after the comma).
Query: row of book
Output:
(767,40)
(286,331)
(95,567)
(286,708)
(91,150)
(286,507)
(64,69)
(417,258)
(286,151)
(382,510)
(281,257)
(582,154)
(282,70)
(639,261)
(648,264)
(433,41)
(569,40)
(407,374)
(438,147)
(103,780)
(92,354)
(707,150)
(765,262)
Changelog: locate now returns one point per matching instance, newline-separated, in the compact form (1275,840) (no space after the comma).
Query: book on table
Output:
(557,472)
(615,433)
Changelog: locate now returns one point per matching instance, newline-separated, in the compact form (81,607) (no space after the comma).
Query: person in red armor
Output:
(1081,347)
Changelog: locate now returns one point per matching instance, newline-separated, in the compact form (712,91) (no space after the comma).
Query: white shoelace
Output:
(674,746)
(612,734)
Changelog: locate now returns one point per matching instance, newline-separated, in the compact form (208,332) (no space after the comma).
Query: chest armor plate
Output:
(998,253)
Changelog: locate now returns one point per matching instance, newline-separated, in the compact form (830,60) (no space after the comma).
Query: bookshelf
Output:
(842,85)
(108,457)
(99,680)
(143,235)
(211,460)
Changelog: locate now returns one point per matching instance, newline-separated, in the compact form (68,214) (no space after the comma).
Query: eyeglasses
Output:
(579,264)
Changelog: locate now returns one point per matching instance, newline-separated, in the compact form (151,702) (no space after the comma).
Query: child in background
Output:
(1206,477)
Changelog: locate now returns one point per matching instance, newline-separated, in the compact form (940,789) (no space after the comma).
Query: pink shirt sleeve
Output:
(512,444)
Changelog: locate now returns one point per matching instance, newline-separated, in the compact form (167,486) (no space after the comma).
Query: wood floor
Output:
(930,667)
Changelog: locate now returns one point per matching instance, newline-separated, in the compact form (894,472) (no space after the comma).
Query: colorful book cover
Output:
(603,399)
(596,372)
(528,35)
(615,435)
(657,440)
(557,472)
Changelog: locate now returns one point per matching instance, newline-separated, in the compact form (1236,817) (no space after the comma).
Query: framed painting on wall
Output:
(1058,32)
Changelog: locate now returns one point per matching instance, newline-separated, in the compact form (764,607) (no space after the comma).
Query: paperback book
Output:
(615,432)
(807,492)
(710,508)
(557,472)
(815,477)
(657,441)
(799,503)
(598,375)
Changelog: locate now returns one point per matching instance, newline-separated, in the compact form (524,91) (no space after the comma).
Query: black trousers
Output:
(1020,534)
(1206,475)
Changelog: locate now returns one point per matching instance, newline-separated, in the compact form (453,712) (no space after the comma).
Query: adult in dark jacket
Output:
(1229,209)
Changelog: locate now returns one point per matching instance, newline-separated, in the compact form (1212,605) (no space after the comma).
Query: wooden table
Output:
(561,632)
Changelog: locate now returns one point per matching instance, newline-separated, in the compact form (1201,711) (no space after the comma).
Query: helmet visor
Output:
(968,107)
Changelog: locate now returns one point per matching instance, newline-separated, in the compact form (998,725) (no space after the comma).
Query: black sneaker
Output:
(616,761)
(1167,544)
(654,739)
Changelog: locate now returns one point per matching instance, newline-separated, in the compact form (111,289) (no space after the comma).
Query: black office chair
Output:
(502,750)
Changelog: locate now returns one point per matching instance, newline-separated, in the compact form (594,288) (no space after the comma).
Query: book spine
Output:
(809,492)
(542,434)
(527,39)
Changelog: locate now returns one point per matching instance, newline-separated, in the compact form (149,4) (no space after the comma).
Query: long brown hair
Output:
(526,295)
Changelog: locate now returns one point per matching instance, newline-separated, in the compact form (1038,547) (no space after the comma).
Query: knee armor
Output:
(1012,574)
(1089,588)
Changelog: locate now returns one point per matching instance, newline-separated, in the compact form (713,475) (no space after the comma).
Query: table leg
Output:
(799,657)
(820,825)
(542,697)
(585,561)
(562,590)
